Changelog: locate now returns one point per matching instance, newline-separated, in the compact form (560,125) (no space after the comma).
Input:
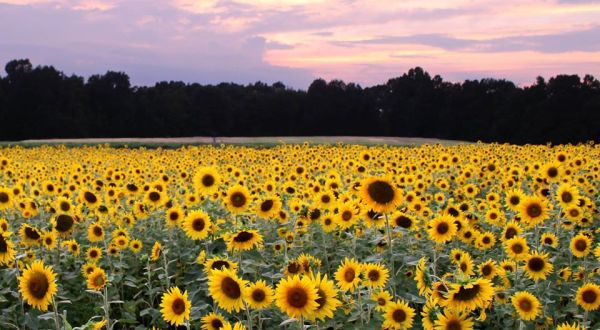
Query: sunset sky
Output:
(296,41)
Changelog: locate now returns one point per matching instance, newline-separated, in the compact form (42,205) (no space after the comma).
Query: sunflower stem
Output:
(56,317)
(248,317)
(166,269)
(389,241)
(106,308)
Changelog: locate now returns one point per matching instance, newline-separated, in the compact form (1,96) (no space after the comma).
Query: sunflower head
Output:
(175,306)
(37,285)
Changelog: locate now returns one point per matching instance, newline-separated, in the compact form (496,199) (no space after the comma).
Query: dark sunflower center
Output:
(566,197)
(258,295)
(525,304)
(589,296)
(4,197)
(243,236)
(297,297)
(238,199)
(219,264)
(266,205)
(534,210)
(327,221)
(178,306)
(399,315)
(349,275)
(580,245)
(517,248)
(231,288)
(64,223)
(325,199)
(453,325)
(403,221)
(154,196)
(38,285)
(442,228)
(514,200)
(90,197)
(465,294)
(293,268)
(173,216)
(216,323)
(510,233)
(3,245)
(64,206)
(198,224)
(552,172)
(573,212)
(536,264)
(381,301)
(373,275)
(346,215)
(97,231)
(99,280)
(486,270)
(381,192)
(208,180)
(548,241)
(32,233)
(93,253)
(322,300)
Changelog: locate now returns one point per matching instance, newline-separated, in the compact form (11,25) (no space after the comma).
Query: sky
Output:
(297,41)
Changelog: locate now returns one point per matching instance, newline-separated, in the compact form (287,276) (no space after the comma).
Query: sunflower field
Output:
(474,236)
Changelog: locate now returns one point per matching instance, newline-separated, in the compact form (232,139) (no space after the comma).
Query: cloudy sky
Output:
(296,41)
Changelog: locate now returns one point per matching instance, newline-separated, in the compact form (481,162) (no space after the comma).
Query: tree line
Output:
(42,102)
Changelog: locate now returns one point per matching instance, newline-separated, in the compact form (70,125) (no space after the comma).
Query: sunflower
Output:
(297,296)
(227,289)
(89,198)
(551,172)
(537,266)
(260,295)
(346,216)
(136,245)
(549,239)
(6,198)
(441,229)
(488,269)
(88,268)
(327,300)
(218,263)
(375,275)
(450,320)
(173,216)
(567,195)
(7,251)
(379,194)
(175,306)
(398,315)
(348,275)
(237,199)
(475,294)
(382,299)
(588,296)
(244,240)
(465,264)
(29,235)
(155,198)
(156,251)
(63,224)
(581,245)
(268,207)
(93,254)
(527,305)
(95,232)
(213,321)
(197,225)
(97,279)
(568,326)
(206,181)
(49,240)
(533,210)
(37,285)
(513,199)
(422,278)
(516,248)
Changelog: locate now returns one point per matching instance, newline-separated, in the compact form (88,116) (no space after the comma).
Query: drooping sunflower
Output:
(348,275)
(588,296)
(97,279)
(297,296)
(156,251)
(380,194)
(422,278)
(398,315)
(206,181)
(441,229)
(260,295)
(537,266)
(376,275)
(197,225)
(581,245)
(244,240)
(175,306)
(533,210)
(527,305)
(227,289)
(38,285)
(213,321)
(327,301)
(237,199)
(469,296)
(7,251)
(450,320)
